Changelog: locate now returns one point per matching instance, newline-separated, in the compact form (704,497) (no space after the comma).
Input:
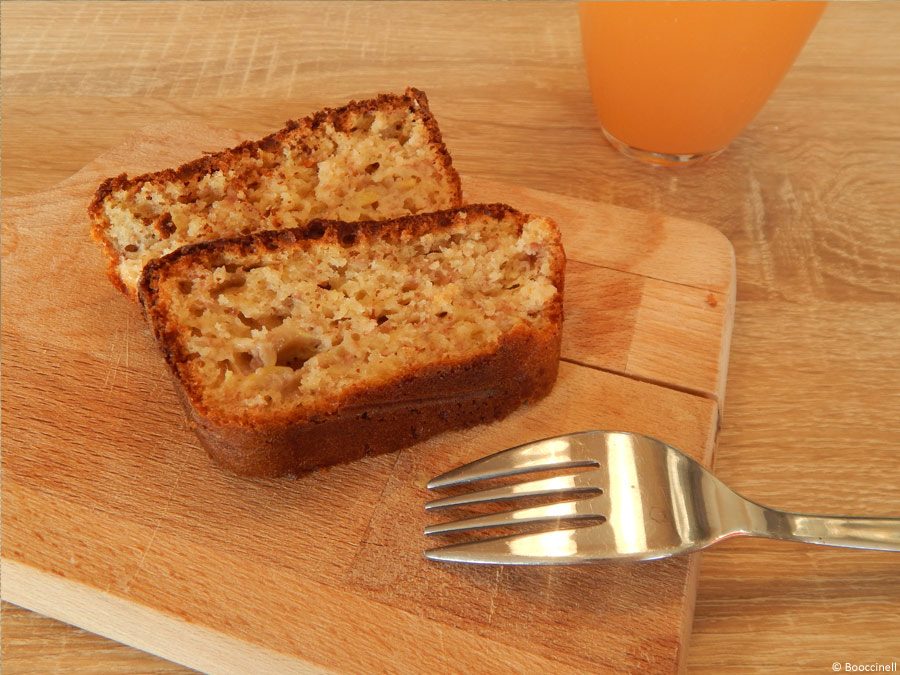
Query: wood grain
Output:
(32,643)
(807,195)
(114,520)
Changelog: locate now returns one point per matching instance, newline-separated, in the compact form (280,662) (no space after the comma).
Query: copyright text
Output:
(847,667)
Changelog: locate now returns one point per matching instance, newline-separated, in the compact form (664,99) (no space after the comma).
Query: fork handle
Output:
(877,534)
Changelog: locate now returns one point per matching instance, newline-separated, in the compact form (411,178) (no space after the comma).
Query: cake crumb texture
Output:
(293,328)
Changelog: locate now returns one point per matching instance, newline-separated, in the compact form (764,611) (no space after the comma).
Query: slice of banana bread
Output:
(370,160)
(298,348)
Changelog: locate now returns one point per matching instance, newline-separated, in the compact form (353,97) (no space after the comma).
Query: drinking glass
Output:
(675,82)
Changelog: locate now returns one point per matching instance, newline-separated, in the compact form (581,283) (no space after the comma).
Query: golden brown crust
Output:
(340,118)
(446,395)
(99,226)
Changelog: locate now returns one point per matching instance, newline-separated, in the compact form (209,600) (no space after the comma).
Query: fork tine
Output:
(581,508)
(579,482)
(557,547)
(551,453)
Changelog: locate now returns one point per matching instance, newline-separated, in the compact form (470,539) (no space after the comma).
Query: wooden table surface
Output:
(809,195)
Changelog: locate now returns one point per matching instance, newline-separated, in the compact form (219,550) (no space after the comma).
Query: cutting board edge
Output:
(725,346)
(183,642)
(129,623)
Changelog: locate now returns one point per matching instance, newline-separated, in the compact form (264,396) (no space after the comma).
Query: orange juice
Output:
(682,79)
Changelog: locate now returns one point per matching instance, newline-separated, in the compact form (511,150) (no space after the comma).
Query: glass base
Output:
(660,158)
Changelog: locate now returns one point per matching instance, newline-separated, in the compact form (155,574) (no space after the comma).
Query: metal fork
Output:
(646,499)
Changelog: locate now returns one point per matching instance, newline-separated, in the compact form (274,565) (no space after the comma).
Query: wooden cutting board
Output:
(115,520)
